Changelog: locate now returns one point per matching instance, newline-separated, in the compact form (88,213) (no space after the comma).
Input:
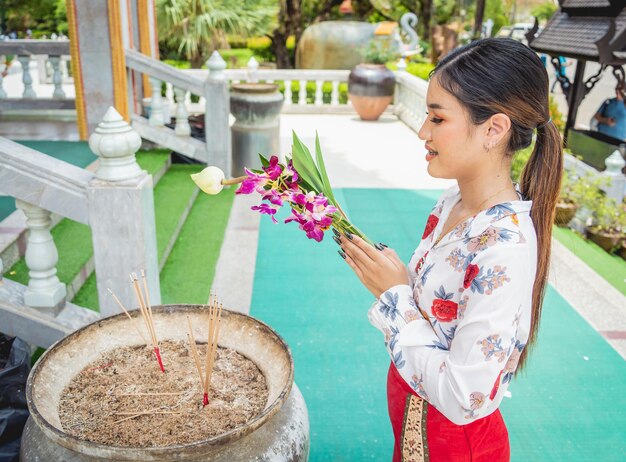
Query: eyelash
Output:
(435,120)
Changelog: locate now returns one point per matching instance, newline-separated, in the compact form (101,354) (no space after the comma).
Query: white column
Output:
(57,77)
(617,181)
(319,96)
(216,115)
(169,93)
(253,68)
(121,215)
(302,92)
(26,77)
(156,104)
(288,92)
(334,95)
(182,118)
(45,291)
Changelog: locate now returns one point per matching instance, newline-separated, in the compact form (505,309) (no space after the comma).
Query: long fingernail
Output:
(383,245)
(342,254)
(337,233)
(348,235)
(379,246)
(337,240)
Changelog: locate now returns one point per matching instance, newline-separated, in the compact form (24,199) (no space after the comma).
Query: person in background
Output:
(611,116)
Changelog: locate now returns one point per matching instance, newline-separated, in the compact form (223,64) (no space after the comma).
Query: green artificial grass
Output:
(87,296)
(152,160)
(567,405)
(171,197)
(188,275)
(611,267)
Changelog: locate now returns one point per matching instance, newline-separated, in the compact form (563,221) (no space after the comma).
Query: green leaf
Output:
(328,190)
(304,164)
(264,161)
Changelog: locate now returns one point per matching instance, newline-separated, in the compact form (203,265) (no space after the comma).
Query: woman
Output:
(459,320)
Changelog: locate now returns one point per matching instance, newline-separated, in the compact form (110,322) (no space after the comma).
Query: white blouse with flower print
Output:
(456,333)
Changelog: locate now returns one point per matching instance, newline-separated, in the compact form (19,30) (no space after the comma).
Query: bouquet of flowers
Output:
(302,184)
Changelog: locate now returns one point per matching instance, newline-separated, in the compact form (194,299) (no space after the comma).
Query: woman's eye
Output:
(434,119)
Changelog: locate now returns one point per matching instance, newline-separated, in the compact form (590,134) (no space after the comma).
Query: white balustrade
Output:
(302,93)
(45,292)
(57,77)
(182,118)
(3,94)
(319,95)
(288,95)
(169,93)
(156,104)
(217,114)
(27,79)
(334,95)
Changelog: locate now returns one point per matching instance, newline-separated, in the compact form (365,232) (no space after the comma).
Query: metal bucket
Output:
(279,433)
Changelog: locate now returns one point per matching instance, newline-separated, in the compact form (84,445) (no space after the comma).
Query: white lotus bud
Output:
(209,180)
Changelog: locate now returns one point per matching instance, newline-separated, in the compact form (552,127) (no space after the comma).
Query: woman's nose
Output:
(424,133)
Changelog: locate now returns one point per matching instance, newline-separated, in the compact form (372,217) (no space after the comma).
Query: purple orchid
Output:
(266,209)
(254,182)
(274,169)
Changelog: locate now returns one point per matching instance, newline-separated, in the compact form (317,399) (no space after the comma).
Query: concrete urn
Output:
(279,433)
(370,89)
(256,108)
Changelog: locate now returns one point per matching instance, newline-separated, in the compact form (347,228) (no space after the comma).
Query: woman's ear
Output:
(498,126)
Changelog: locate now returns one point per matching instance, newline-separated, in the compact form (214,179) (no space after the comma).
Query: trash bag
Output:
(13,409)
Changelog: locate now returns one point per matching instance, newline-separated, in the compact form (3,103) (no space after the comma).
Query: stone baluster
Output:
(26,77)
(156,104)
(334,95)
(319,96)
(288,95)
(121,215)
(617,181)
(216,115)
(302,93)
(57,77)
(169,93)
(182,118)
(45,292)
(253,68)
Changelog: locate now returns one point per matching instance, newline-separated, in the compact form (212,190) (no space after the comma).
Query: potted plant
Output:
(608,226)
(370,84)
(568,204)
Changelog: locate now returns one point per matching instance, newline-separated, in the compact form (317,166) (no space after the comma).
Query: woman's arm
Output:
(466,380)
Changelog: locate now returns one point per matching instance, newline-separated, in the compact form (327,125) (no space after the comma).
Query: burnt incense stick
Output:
(146,312)
(215,312)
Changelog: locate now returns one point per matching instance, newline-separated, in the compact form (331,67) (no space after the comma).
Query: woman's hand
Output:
(379,268)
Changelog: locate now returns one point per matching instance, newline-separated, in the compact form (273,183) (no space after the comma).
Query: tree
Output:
(196,27)
(544,11)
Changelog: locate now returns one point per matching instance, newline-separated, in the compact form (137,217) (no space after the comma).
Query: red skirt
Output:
(422,433)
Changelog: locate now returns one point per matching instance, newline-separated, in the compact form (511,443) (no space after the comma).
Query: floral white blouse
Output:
(456,333)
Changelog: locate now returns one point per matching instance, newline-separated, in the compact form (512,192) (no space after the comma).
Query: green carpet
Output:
(610,267)
(75,152)
(563,408)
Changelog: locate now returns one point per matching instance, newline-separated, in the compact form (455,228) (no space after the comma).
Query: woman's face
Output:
(455,146)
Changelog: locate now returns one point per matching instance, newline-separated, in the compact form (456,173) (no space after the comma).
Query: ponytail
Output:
(541,182)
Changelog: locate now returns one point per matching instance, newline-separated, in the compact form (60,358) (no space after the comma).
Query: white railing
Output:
(44,90)
(213,91)
(116,202)
(305,90)
(410,99)
(612,181)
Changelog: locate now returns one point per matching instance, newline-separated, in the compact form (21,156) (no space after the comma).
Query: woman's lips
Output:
(431,154)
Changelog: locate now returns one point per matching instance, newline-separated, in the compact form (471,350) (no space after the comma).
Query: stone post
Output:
(156,104)
(614,165)
(26,77)
(182,127)
(45,292)
(3,94)
(121,215)
(253,67)
(57,77)
(216,115)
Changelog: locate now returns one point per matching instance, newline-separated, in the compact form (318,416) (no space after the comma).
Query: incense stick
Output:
(150,394)
(117,300)
(146,311)
(194,352)
(215,312)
